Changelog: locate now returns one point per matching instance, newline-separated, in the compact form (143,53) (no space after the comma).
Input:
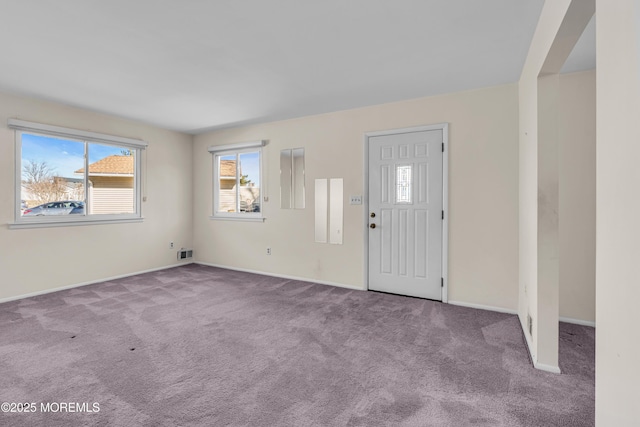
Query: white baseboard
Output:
(283,276)
(302,279)
(509,311)
(483,307)
(92,282)
(534,359)
(542,366)
(546,368)
(578,321)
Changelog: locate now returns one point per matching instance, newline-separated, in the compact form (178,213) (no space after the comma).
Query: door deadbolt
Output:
(373,215)
(372,226)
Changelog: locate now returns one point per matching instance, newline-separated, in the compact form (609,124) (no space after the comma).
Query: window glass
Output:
(249,182)
(403,184)
(228,190)
(67,180)
(111,180)
(48,174)
(237,184)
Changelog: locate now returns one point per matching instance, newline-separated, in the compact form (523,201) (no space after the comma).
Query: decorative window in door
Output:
(403,184)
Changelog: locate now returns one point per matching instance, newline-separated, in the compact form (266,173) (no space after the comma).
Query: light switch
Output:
(355,200)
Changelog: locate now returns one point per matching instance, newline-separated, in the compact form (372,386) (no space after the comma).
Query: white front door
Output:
(405,213)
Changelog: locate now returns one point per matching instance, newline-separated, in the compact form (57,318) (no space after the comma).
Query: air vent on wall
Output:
(530,324)
(185,253)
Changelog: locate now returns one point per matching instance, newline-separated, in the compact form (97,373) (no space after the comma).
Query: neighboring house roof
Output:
(228,169)
(111,165)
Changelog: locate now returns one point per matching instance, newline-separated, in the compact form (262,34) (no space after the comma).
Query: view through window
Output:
(55,179)
(238,184)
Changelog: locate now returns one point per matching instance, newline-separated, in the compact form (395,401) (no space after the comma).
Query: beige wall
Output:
(41,259)
(577,127)
(483,191)
(618,213)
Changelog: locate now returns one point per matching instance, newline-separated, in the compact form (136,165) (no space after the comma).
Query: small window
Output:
(403,184)
(66,176)
(236,182)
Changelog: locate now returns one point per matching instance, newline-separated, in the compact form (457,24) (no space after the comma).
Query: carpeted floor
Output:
(201,346)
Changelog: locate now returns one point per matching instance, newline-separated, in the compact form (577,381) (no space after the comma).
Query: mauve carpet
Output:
(203,346)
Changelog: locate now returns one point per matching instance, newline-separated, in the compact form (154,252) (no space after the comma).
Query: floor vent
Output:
(185,253)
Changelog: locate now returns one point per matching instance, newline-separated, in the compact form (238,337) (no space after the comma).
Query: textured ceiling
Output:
(198,65)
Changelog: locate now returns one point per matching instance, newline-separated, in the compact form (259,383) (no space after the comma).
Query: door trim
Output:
(445,198)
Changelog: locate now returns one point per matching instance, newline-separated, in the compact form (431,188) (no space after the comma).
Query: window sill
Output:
(58,223)
(237,218)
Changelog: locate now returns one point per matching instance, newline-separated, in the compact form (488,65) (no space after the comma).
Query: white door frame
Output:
(445,198)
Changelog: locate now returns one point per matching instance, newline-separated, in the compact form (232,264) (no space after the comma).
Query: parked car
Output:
(77,210)
(249,205)
(56,208)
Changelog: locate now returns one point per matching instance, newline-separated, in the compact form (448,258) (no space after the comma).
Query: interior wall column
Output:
(548,254)
(561,24)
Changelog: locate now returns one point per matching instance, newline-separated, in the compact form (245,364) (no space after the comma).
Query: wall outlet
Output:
(170,245)
(268,251)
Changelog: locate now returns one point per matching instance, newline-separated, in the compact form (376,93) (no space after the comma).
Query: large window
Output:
(236,181)
(67,176)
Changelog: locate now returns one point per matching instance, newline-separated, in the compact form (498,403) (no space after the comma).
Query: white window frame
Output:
(218,151)
(136,145)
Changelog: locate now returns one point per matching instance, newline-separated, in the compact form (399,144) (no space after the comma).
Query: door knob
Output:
(372,226)
(373,215)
